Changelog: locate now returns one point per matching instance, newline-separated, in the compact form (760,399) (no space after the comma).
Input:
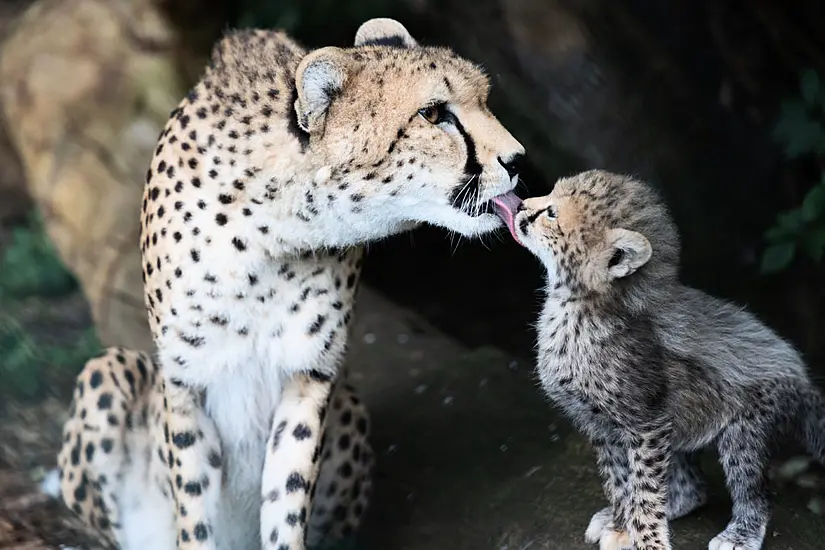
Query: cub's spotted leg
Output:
(608,525)
(649,462)
(687,491)
(744,453)
(686,487)
(193,453)
(345,478)
(292,460)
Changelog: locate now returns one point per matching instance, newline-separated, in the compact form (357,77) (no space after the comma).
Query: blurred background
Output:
(720,103)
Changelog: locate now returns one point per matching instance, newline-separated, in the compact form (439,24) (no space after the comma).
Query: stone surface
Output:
(14,200)
(87,86)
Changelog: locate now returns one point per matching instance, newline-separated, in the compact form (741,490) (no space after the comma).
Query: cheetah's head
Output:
(596,229)
(404,131)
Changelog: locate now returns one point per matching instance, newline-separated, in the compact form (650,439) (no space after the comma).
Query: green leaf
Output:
(796,131)
(815,243)
(814,203)
(810,86)
(806,138)
(776,233)
(790,220)
(777,257)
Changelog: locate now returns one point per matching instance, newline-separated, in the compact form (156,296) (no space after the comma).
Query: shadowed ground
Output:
(470,456)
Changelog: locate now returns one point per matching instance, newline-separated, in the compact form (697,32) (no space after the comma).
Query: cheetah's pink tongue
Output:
(506,206)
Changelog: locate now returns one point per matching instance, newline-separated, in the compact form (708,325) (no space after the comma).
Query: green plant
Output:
(29,266)
(801,131)
(24,361)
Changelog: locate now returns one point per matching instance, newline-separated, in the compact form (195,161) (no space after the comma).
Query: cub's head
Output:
(596,231)
(406,131)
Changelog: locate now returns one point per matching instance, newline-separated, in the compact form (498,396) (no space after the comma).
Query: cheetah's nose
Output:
(512,165)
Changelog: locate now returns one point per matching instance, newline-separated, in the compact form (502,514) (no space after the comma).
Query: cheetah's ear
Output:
(320,77)
(627,251)
(382,31)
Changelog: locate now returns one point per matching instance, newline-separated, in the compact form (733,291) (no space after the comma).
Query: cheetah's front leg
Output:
(649,459)
(193,452)
(292,461)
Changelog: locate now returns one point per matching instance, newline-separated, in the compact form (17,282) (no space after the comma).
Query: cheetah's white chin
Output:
(471,226)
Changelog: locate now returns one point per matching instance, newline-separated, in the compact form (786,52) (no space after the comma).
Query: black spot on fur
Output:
(301,432)
(193,488)
(215,459)
(276,436)
(296,482)
(183,440)
(105,401)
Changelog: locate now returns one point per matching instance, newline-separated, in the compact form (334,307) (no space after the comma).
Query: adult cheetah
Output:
(267,181)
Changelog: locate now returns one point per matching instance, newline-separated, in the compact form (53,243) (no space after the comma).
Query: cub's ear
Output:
(320,78)
(384,32)
(628,251)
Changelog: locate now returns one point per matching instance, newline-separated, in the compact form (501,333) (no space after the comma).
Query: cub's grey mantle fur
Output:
(652,371)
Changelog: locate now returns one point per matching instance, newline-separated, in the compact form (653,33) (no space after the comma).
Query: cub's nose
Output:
(512,164)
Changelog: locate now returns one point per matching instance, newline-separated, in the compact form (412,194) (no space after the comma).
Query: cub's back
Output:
(730,341)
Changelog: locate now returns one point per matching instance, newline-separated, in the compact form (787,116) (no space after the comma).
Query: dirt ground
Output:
(469,456)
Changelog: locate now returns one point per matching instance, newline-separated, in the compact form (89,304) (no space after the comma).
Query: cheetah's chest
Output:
(237,332)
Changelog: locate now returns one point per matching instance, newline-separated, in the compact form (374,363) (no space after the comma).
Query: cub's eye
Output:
(433,113)
(550,212)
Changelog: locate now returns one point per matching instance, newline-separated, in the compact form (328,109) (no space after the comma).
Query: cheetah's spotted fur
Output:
(267,181)
(114,460)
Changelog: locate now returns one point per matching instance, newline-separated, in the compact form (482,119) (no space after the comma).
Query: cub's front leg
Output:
(193,452)
(649,459)
(292,460)
(608,526)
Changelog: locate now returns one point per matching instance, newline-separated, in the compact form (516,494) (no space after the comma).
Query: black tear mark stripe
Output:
(472,167)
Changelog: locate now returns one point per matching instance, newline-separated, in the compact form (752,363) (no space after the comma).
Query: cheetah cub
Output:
(652,370)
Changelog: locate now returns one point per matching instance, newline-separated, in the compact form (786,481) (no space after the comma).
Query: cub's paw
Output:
(602,530)
(615,540)
(601,522)
(728,540)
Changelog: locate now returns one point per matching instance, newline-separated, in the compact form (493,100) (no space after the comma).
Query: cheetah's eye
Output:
(434,114)
(551,213)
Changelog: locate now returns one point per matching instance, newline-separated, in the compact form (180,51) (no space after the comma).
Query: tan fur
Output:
(267,181)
